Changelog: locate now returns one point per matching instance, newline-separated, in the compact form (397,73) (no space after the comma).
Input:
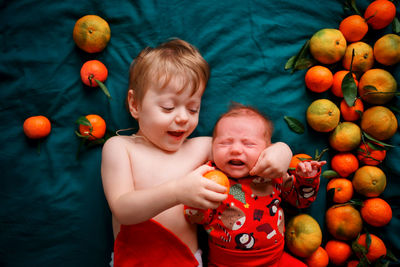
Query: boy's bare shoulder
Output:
(117,142)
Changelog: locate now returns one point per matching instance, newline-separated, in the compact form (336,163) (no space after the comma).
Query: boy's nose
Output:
(181,116)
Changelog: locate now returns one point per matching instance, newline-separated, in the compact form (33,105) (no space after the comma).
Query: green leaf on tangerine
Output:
(396,25)
(328,174)
(349,89)
(103,88)
(83,121)
(294,124)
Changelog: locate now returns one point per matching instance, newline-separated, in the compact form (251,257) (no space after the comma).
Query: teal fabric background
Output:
(53,211)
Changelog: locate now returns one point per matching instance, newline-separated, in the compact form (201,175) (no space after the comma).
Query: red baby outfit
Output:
(247,229)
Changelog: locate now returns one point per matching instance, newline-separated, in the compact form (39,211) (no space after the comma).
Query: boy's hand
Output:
(309,168)
(196,191)
(273,162)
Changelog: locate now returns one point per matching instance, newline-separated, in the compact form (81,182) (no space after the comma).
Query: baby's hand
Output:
(196,191)
(309,168)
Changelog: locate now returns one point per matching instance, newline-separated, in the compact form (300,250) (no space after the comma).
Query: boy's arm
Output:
(301,187)
(131,206)
(274,161)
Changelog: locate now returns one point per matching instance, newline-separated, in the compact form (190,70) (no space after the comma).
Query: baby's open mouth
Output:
(176,133)
(236,162)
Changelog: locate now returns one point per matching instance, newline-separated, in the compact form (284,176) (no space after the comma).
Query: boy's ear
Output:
(133,104)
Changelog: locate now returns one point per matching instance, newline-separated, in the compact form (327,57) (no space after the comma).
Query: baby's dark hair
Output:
(238,109)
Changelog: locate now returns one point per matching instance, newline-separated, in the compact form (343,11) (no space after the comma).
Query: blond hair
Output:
(240,110)
(175,58)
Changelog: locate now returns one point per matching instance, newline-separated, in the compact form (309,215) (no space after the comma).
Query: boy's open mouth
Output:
(176,133)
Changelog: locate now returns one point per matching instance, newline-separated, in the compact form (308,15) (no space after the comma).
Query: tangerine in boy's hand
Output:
(218,177)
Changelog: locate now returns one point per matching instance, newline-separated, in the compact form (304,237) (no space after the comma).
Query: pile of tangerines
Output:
(354,71)
(91,33)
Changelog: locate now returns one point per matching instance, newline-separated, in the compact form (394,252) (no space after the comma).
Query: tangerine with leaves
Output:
(318,79)
(91,33)
(369,181)
(94,128)
(376,212)
(354,28)
(379,122)
(323,115)
(343,221)
(344,163)
(338,251)
(363,57)
(367,155)
(336,88)
(93,70)
(328,45)
(351,113)
(319,258)
(377,86)
(303,235)
(387,49)
(219,177)
(37,127)
(380,13)
(345,137)
(376,248)
(343,189)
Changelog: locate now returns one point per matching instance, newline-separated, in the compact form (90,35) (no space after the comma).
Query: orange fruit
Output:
(354,28)
(380,14)
(328,45)
(344,163)
(323,115)
(353,263)
(298,158)
(376,249)
(91,70)
(97,128)
(363,57)
(379,122)
(37,127)
(369,156)
(319,258)
(343,189)
(337,82)
(351,113)
(338,251)
(387,49)
(303,235)
(218,177)
(343,221)
(318,79)
(91,33)
(345,137)
(376,212)
(384,83)
(369,181)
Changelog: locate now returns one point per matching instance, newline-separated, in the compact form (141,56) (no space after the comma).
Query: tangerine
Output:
(323,115)
(345,137)
(369,156)
(318,79)
(319,258)
(303,235)
(387,49)
(97,127)
(369,181)
(376,249)
(344,163)
(385,86)
(91,33)
(336,88)
(37,127)
(354,28)
(379,122)
(343,221)
(219,177)
(93,70)
(296,159)
(338,251)
(363,57)
(343,189)
(351,113)
(328,45)
(380,13)
(376,212)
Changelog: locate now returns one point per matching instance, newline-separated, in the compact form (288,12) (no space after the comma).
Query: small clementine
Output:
(37,127)
(351,113)
(343,189)
(376,249)
(344,163)
(97,127)
(369,156)
(218,177)
(376,212)
(380,13)
(318,79)
(338,251)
